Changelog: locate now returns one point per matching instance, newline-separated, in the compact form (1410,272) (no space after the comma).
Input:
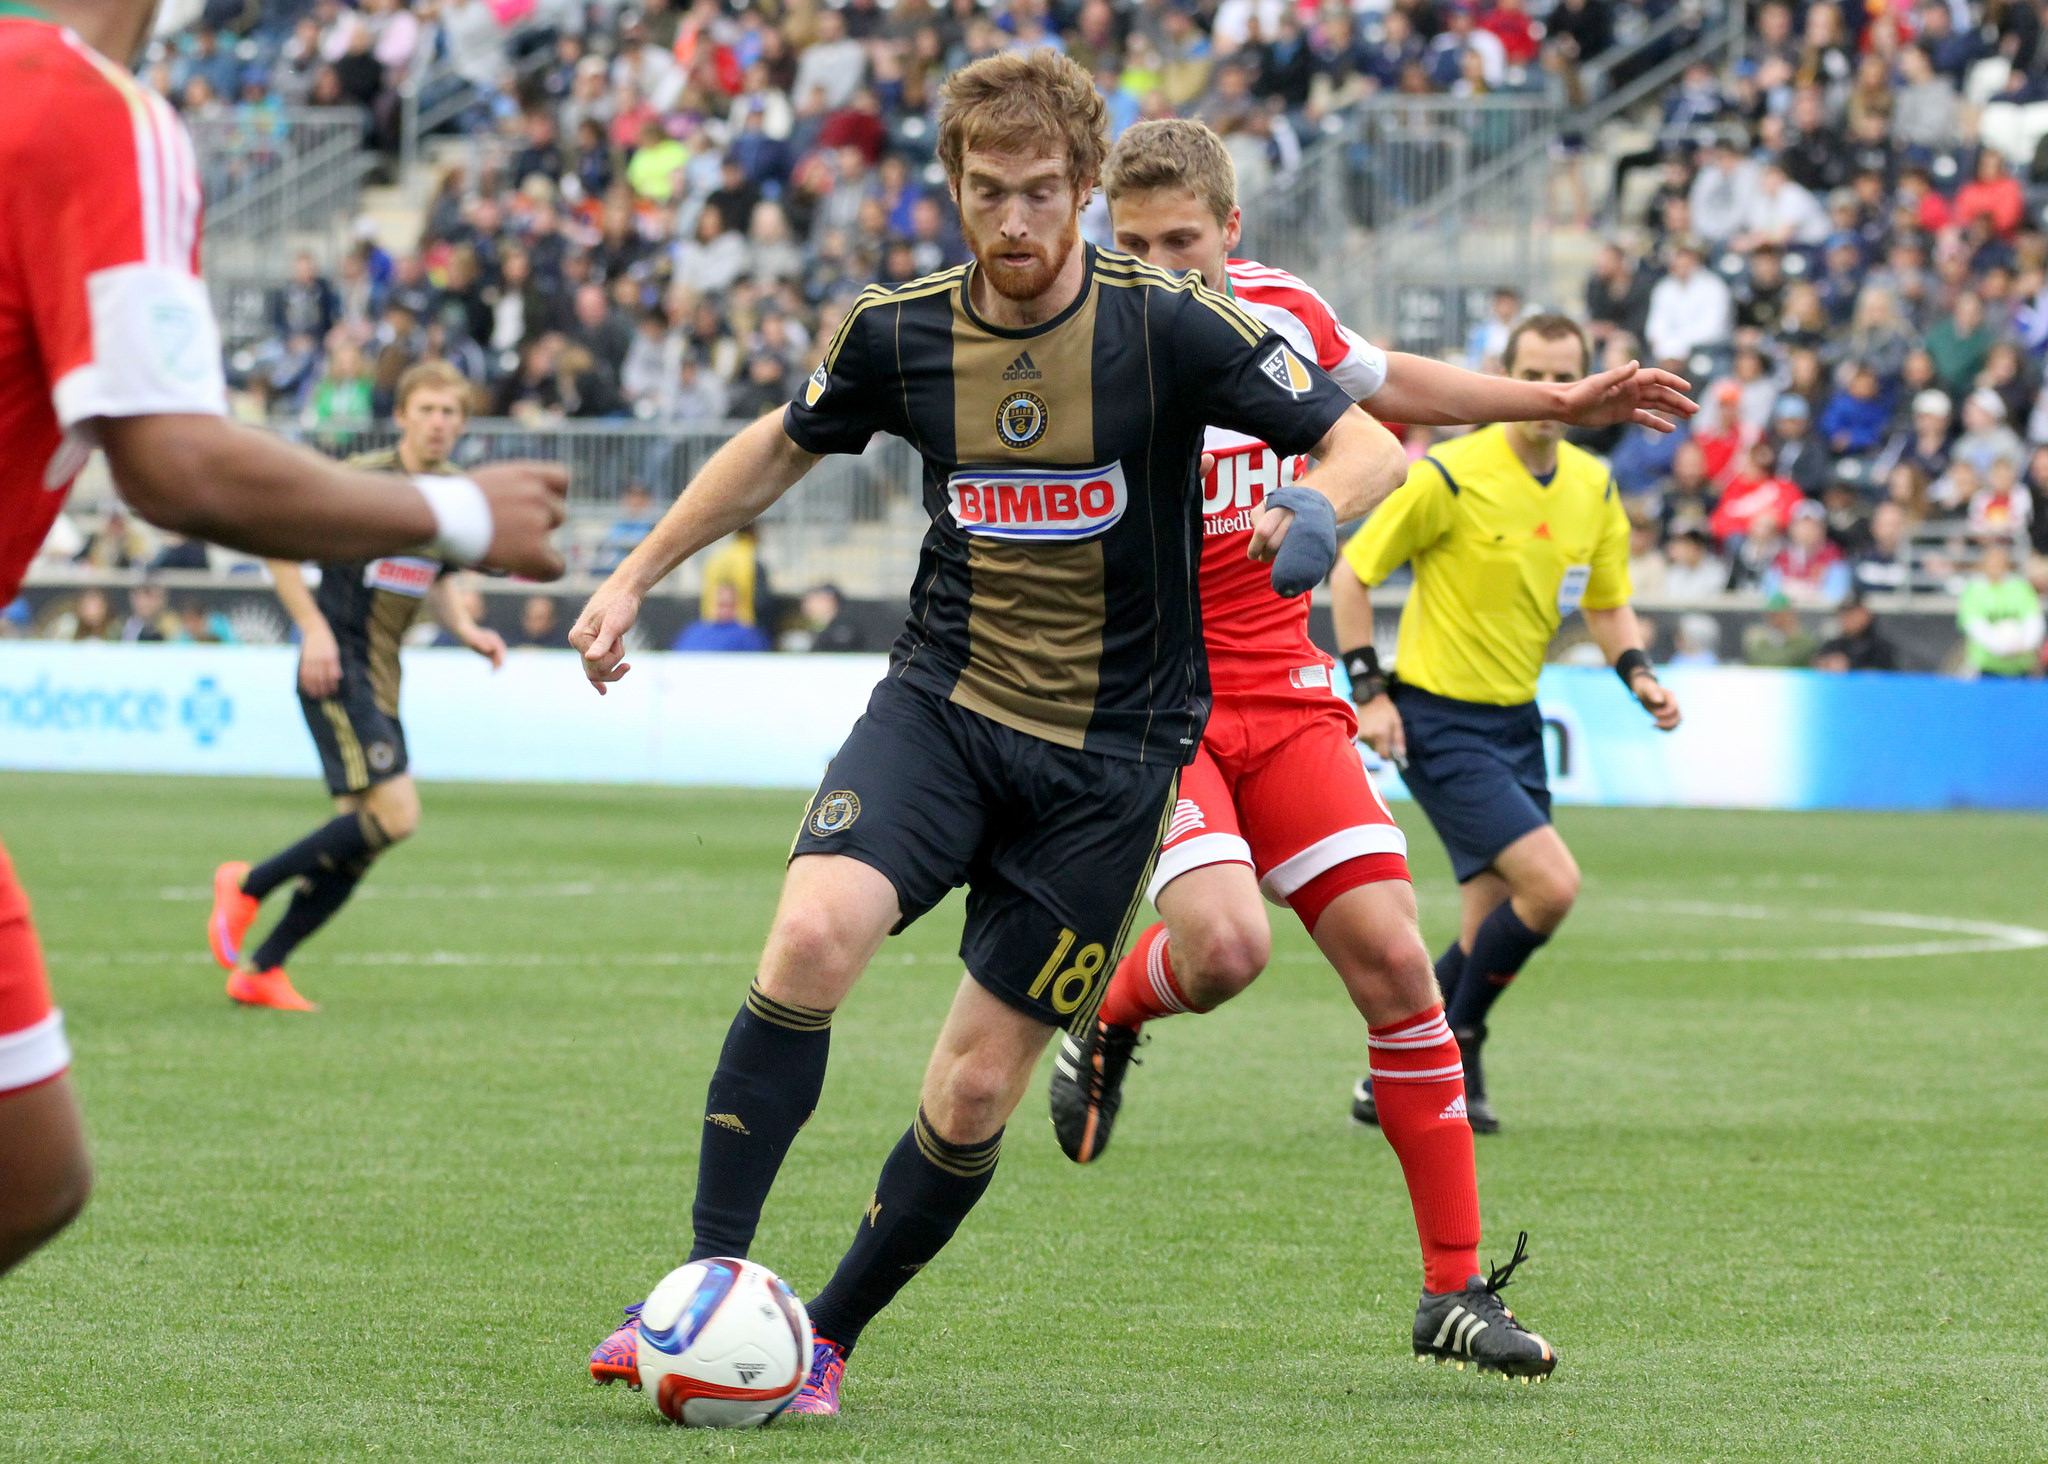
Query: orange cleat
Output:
(270,988)
(233,914)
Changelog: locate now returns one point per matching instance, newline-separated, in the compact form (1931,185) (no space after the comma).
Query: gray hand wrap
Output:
(1309,552)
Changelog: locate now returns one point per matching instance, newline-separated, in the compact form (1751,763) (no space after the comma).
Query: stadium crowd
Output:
(674,207)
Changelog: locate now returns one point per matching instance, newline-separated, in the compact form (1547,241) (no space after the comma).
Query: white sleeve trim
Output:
(1363,371)
(155,349)
(1284,878)
(34,1054)
(1196,853)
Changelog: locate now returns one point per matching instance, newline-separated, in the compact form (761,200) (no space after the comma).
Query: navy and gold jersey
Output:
(371,603)
(1057,588)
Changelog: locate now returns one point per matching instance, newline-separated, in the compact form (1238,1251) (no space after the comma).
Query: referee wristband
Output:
(1628,663)
(1368,681)
(462,518)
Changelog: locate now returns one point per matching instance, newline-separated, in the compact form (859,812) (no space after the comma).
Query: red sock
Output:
(1143,988)
(1419,1085)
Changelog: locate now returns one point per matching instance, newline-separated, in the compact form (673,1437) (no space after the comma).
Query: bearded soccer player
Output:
(350,630)
(1277,800)
(1050,683)
(1510,530)
(106,338)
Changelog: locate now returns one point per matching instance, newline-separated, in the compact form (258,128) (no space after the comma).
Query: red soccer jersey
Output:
(101,310)
(1258,641)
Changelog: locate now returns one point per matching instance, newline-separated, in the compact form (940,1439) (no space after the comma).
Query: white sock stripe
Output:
(1429,1037)
(1417,1075)
(1416,1026)
(1162,984)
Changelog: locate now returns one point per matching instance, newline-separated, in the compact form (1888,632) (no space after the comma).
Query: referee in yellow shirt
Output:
(1510,529)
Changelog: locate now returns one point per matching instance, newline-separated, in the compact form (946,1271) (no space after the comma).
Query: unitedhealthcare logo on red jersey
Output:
(1039,503)
(1239,483)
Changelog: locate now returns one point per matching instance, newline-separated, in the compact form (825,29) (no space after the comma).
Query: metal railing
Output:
(277,181)
(1416,208)
(855,521)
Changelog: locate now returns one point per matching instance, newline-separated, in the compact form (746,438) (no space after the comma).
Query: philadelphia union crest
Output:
(1021,419)
(835,811)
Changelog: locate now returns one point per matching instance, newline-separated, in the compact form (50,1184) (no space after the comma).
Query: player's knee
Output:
(809,938)
(38,1210)
(1551,892)
(970,1100)
(391,815)
(1220,958)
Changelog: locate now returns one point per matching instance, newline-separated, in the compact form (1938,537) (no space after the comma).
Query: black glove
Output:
(1309,552)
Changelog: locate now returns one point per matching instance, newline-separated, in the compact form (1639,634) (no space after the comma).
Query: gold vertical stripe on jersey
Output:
(1082,1019)
(355,770)
(391,616)
(1034,634)
(1065,358)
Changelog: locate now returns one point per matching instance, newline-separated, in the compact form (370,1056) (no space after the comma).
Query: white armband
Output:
(462,518)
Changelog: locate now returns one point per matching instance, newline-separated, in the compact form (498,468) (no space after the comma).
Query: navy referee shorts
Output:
(1477,770)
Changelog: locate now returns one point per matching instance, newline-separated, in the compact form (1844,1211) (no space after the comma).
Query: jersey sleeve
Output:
(108,206)
(1414,516)
(845,401)
(1235,373)
(1608,586)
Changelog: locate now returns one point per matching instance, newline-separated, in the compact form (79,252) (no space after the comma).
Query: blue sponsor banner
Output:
(1751,739)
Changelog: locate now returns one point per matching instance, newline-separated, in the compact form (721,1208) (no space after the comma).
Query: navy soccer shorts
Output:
(360,744)
(1054,844)
(1477,770)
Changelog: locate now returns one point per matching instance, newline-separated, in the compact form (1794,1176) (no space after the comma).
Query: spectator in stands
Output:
(633,522)
(540,626)
(1646,562)
(1809,570)
(1489,337)
(1994,195)
(307,305)
(149,616)
(2000,616)
(1755,491)
(722,629)
(1697,641)
(1692,571)
(1759,294)
(765,387)
(1926,111)
(2037,494)
(1690,308)
(1959,342)
(1857,644)
(1878,336)
(700,395)
(1722,192)
(1778,639)
(344,393)
(1780,212)
(2002,507)
(89,618)
(1858,413)
(1617,296)
(1803,459)
(1985,437)
(1885,565)
(827,628)
(831,68)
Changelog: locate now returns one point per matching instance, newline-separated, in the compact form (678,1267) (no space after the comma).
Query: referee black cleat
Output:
(1472,1327)
(1088,1087)
(1478,1111)
(1363,1109)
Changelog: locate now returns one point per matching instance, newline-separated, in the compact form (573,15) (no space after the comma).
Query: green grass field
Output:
(1786,1193)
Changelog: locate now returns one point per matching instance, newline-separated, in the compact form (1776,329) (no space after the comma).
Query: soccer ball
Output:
(723,1344)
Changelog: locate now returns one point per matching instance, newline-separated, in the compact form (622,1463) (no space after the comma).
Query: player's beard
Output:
(1023,281)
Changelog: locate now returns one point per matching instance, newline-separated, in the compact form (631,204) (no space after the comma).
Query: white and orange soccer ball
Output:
(724,1343)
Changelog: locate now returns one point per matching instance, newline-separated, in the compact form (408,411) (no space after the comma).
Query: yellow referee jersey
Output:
(1500,558)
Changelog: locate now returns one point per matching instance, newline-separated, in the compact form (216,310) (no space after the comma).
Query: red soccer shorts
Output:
(32,1046)
(1278,785)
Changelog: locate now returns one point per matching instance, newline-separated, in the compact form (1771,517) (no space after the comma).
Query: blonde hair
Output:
(1029,102)
(431,375)
(1173,152)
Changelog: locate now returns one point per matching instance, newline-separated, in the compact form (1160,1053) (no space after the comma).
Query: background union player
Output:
(107,337)
(1050,683)
(1277,800)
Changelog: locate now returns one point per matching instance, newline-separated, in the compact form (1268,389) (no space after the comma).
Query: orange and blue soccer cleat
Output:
(820,1392)
(233,914)
(617,1358)
(270,988)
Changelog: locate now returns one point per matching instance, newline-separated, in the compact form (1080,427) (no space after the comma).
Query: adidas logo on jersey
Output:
(1456,1110)
(1023,369)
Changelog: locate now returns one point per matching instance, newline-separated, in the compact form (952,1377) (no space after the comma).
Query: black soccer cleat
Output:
(1474,1327)
(1478,1112)
(1363,1109)
(1088,1087)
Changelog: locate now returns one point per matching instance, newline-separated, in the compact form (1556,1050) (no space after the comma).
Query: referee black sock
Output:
(318,896)
(336,844)
(1499,949)
(1450,967)
(925,1191)
(769,1075)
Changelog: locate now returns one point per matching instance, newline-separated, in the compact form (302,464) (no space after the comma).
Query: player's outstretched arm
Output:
(1620,636)
(732,490)
(1438,394)
(319,654)
(446,602)
(213,479)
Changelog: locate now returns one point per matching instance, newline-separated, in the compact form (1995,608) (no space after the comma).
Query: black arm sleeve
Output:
(1236,373)
(844,402)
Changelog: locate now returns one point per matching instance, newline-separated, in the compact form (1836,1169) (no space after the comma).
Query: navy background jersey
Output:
(1056,592)
(371,603)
